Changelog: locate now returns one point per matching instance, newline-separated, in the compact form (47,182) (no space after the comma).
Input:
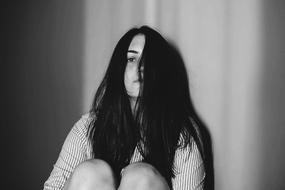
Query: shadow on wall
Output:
(272,102)
(205,135)
(42,59)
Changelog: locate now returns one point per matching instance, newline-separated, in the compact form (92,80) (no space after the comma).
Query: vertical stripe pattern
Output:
(190,173)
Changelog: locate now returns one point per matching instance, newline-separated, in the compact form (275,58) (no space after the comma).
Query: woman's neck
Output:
(133,101)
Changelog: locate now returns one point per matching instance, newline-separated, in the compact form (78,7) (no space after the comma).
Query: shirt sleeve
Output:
(72,153)
(189,167)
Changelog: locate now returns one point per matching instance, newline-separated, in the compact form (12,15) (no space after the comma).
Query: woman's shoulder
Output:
(79,134)
(187,143)
(82,125)
(188,152)
(186,139)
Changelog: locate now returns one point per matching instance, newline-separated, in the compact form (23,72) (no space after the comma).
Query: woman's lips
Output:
(138,80)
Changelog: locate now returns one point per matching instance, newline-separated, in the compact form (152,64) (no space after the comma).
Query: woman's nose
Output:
(135,73)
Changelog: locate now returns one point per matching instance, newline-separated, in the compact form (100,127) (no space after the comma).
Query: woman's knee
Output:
(91,174)
(141,175)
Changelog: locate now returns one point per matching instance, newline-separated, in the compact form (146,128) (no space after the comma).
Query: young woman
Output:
(142,131)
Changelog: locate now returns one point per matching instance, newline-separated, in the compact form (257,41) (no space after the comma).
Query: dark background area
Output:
(41,63)
(272,101)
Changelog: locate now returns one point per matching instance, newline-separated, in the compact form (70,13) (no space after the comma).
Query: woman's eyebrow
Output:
(133,51)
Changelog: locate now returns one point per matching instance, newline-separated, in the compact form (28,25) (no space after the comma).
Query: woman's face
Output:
(132,72)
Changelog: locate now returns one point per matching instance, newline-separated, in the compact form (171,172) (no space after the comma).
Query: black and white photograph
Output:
(143,94)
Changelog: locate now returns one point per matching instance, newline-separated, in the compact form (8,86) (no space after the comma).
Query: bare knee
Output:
(91,174)
(140,176)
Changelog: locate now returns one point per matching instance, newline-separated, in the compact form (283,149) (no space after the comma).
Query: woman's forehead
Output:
(137,44)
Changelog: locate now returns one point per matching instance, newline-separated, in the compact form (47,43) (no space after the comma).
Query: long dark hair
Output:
(164,109)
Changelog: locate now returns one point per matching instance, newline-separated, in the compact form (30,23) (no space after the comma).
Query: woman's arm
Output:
(73,152)
(189,167)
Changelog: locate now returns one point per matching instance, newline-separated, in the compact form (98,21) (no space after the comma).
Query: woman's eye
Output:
(131,59)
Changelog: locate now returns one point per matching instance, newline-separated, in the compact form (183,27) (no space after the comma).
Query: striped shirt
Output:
(77,148)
